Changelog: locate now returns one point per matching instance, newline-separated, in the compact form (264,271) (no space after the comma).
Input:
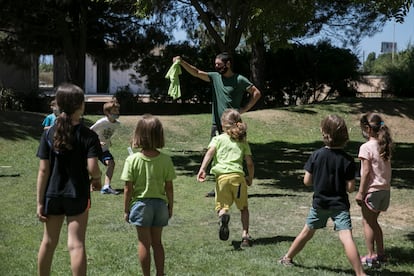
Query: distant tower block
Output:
(388,47)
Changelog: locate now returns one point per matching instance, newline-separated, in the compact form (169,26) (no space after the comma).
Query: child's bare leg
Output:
(49,242)
(245,216)
(372,231)
(158,249)
(351,251)
(76,242)
(110,166)
(300,241)
(144,249)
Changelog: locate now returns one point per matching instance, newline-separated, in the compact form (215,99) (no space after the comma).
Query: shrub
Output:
(9,100)
(126,99)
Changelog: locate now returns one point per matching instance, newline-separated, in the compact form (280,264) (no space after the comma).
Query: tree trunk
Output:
(257,66)
(74,46)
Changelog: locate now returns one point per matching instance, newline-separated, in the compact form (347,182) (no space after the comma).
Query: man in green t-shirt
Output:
(228,89)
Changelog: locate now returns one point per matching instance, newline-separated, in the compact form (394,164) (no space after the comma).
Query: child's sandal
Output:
(286,261)
(246,241)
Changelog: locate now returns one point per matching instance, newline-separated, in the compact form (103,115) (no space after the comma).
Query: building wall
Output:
(117,79)
(372,86)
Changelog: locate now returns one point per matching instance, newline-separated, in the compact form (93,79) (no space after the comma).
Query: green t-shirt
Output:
(227,93)
(148,175)
(229,155)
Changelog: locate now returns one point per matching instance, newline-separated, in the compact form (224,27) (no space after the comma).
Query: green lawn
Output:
(281,140)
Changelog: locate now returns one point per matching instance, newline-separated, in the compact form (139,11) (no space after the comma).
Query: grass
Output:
(281,140)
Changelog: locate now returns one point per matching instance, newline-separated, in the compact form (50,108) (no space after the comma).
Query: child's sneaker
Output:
(246,242)
(108,190)
(370,262)
(224,227)
(285,261)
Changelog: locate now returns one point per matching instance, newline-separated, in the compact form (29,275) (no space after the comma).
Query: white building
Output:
(101,78)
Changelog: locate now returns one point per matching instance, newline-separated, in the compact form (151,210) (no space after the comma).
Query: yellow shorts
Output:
(231,188)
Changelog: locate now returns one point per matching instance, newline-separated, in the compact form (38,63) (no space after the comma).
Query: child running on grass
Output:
(331,171)
(148,192)
(374,190)
(229,150)
(105,128)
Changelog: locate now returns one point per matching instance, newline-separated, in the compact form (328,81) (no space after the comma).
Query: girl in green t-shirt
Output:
(228,152)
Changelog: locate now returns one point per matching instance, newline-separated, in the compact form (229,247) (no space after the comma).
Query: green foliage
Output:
(126,99)
(401,74)
(378,66)
(302,72)
(9,100)
(45,67)
(298,72)
(192,89)
(398,68)
(368,65)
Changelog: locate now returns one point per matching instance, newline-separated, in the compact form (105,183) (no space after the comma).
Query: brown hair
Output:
(233,125)
(334,131)
(379,131)
(149,133)
(69,98)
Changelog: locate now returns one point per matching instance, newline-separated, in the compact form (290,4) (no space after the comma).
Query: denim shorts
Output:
(318,218)
(149,212)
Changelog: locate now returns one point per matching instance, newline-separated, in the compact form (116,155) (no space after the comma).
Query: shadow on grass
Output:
(270,195)
(16,125)
(280,164)
(410,236)
(391,107)
(264,241)
(383,271)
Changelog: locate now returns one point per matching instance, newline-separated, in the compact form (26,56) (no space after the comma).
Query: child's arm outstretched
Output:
(250,169)
(201,176)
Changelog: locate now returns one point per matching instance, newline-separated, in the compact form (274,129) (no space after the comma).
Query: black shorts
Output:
(215,130)
(66,206)
(106,155)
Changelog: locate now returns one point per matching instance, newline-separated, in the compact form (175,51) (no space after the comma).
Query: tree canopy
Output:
(272,24)
(123,31)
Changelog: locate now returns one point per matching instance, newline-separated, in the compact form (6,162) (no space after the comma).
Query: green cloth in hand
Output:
(175,70)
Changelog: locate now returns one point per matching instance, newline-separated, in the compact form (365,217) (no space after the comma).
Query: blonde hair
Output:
(334,131)
(380,131)
(233,125)
(149,133)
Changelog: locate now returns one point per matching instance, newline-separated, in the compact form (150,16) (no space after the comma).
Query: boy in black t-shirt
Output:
(331,171)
